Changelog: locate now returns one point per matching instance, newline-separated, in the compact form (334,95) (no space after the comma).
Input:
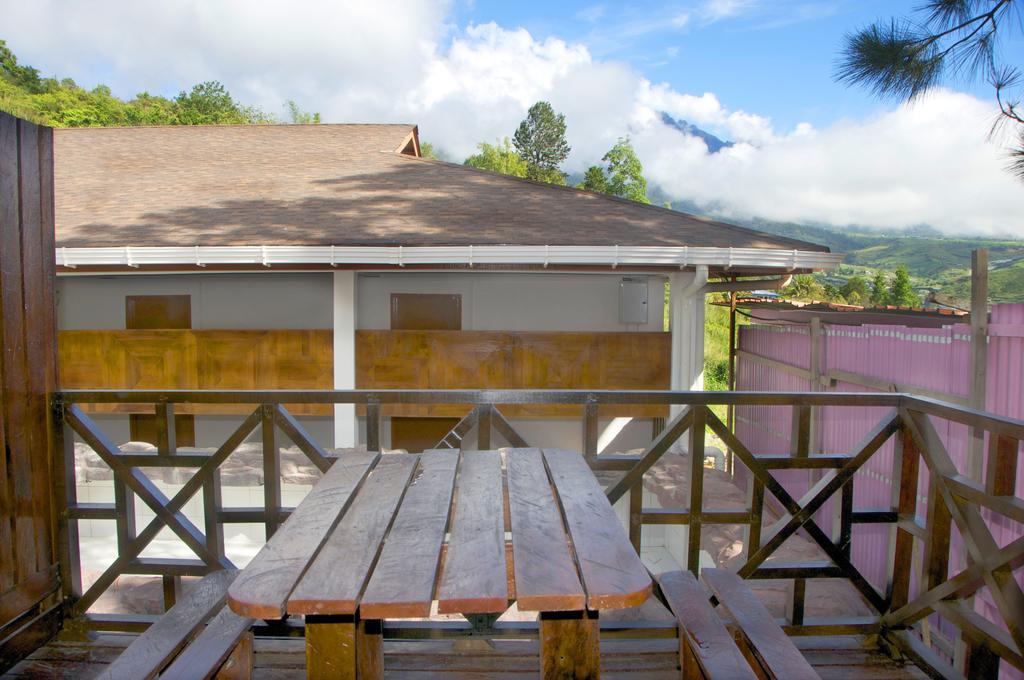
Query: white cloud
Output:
(713,10)
(399,61)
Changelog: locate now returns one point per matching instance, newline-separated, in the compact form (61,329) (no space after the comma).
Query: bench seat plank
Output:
(704,639)
(207,653)
(545,574)
(769,644)
(335,579)
(154,648)
(261,592)
(613,575)
(474,579)
(402,584)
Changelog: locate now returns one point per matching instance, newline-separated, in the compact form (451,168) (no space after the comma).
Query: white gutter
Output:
(400,256)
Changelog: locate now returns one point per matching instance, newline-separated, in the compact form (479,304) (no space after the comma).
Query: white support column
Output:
(346,427)
(686,297)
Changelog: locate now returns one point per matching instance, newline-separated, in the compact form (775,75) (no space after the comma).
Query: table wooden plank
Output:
(402,584)
(474,578)
(545,573)
(771,647)
(334,580)
(261,590)
(703,639)
(613,575)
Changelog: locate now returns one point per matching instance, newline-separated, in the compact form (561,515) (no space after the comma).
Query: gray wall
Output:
(523,302)
(241,301)
(490,301)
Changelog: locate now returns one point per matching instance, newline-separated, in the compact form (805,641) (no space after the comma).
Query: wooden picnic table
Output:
(384,536)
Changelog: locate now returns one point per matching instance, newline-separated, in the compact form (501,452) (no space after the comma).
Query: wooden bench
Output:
(171,648)
(767,647)
(706,648)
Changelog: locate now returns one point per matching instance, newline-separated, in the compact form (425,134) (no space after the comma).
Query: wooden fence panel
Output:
(29,579)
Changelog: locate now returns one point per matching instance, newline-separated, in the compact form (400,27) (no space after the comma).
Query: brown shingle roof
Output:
(333,185)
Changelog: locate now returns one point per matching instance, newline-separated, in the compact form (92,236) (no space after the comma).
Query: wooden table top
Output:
(386,535)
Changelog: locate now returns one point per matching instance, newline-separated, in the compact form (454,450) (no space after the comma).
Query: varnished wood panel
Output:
(27,381)
(199,359)
(513,360)
(303,359)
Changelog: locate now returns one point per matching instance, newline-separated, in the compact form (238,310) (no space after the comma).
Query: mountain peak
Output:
(713,143)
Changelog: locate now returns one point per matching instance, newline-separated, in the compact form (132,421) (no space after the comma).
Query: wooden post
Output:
(271,473)
(730,410)
(483,427)
(569,645)
(906,462)
(696,488)
(344,647)
(979,356)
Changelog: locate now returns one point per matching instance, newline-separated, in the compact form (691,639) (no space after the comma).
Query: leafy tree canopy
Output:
(427,151)
(623,175)
(902,292)
(210,103)
(594,180)
(856,290)
(804,287)
(879,290)
(300,117)
(540,141)
(498,157)
(63,103)
(905,57)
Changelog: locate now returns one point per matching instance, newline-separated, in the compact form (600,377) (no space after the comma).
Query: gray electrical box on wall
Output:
(633,301)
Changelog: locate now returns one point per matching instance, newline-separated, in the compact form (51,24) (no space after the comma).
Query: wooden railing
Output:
(899,608)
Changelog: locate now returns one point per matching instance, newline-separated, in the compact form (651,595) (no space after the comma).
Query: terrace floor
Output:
(840,657)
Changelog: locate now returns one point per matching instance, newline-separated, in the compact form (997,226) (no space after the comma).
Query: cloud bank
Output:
(389,61)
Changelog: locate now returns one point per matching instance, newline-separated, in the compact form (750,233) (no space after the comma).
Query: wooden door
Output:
(149,312)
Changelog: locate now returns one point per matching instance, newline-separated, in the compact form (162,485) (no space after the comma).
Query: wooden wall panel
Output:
(302,359)
(198,359)
(28,577)
(513,360)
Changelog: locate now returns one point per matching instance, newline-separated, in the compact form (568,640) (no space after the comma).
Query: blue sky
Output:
(775,57)
(758,72)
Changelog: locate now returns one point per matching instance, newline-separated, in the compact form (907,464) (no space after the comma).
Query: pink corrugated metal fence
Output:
(937,360)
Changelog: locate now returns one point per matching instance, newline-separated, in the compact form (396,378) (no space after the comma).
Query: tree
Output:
(855,290)
(210,103)
(427,151)
(300,117)
(498,157)
(906,57)
(24,77)
(594,180)
(625,172)
(623,177)
(902,292)
(804,287)
(540,141)
(879,289)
